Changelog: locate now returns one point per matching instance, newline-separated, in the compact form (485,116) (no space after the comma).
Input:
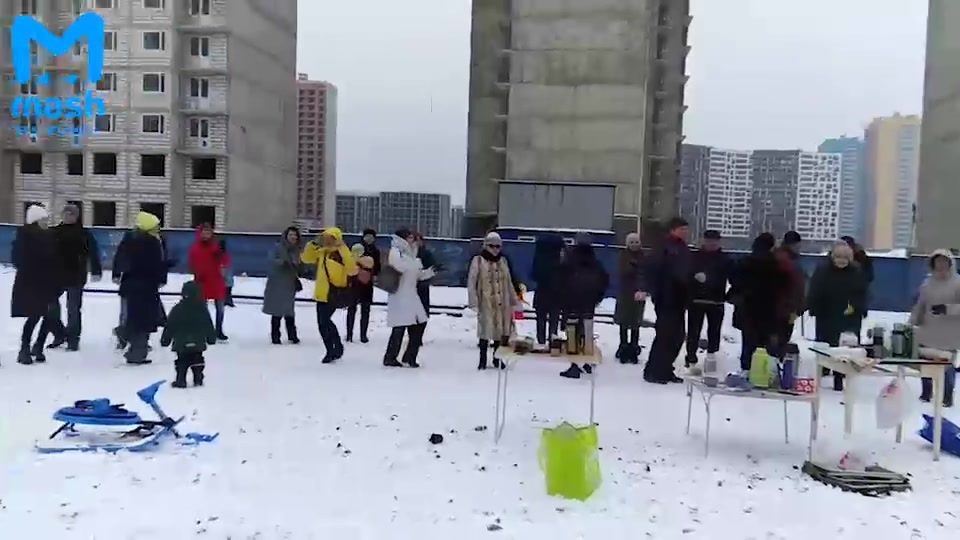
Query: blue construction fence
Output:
(894,287)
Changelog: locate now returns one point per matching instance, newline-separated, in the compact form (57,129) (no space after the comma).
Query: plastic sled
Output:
(949,436)
(96,425)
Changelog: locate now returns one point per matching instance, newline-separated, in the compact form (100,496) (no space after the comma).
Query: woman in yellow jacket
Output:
(335,264)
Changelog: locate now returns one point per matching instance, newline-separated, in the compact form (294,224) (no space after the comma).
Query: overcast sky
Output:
(763,74)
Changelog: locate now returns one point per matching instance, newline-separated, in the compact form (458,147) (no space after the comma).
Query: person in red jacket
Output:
(207,262)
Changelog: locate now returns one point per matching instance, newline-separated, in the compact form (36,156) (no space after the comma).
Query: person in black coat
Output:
(708,292)
(757,288)
(670,291)
(547,257)
(363,292)
(35,287)
(631,299)
(584,283)
(79,254)
(144,270)
(428,260)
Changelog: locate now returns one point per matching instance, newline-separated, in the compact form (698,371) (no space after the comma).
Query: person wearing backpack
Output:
(335,265)
(368,259)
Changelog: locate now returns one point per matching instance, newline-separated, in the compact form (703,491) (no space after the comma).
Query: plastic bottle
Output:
(761,368)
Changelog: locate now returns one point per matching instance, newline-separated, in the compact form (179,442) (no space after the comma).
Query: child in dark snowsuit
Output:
(189,329)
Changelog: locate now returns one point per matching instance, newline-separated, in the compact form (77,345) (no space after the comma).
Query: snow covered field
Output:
(341,452)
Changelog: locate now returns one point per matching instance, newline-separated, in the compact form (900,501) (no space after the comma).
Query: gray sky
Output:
(764,74)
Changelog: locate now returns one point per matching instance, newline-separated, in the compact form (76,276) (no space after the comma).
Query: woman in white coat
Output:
(405,312)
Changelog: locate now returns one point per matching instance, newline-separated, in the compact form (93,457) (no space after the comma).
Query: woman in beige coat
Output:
(492,297)
(937,316)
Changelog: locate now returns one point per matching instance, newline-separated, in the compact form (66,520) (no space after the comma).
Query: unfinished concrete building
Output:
(576,112)
(200,119)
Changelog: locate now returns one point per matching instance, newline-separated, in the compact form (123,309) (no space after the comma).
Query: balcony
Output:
(203,105)
(204,65)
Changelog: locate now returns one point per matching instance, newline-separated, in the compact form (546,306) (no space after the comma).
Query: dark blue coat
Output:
(716,266)
(670,272)
(36,284)
(144,271)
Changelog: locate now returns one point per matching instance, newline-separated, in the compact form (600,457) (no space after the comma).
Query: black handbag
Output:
(337,297)
(388,280)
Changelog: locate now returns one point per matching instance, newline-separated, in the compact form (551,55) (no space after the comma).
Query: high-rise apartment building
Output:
(388,211)
(938,201)
(584,98)
(818,196)
(891,163)
(774,206)
(729,192)
(853,189)
(456,222)
(317,165)
(199,119)
(691,187)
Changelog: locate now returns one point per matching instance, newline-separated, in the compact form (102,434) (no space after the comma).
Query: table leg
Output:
(593,390)
(501,409)
(848,405)
(786,424)
(901,374)
(938,412)
(813,430)
(689,405)
(706,401)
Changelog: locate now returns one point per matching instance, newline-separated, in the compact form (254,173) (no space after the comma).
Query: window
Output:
(109,41)
(153,123)
(104,4)
(105,164)
(28,7)
(199,87)
(78,6)
(31,163)
(107,83)
(104,214)
(153,4)
(153,165)
(154,208)
(154,41)
(199,128)
(104,123)
(199,7)
(200,46)
(205,169)
(203,214)
(75,164)
(154,82)
(30,88)
(78,86)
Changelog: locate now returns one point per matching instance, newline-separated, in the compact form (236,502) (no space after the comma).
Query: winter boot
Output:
(573,372)
(619,354)
(635,354)
(38,356)
(926,386)
(222,337)
(56,343)
(948,401)
(24,357)
(197,370)
(838,382)
(73,346)
(483,356)
(691,360)
(588,369)
(121,341)
(228,301)
(181,380)
(391,362)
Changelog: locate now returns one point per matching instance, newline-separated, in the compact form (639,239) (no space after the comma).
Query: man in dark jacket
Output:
(363,292)
(708,286)
(584,284)
(79,253)
(757,285)
(791,303)
(670,291)
(545,273)
(189,329)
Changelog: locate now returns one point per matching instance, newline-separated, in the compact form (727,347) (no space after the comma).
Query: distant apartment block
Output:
(729,192)
(892,163)
(692,186)
(456,222)
(198,122)
(317,154)
(818,196)
(388,211)
(775,174)
(853,188)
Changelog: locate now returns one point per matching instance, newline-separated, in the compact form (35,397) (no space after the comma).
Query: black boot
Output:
(573,372)
(56,343)
(181,380)
(197,370)
(635,354)
(121,341)
(838,382)
(38,356)
(275,330)
(24,357)
(926,389)
(391,362)
(291,330)
(691,360)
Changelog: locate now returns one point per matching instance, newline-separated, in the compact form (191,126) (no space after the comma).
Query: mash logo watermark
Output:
(44,110)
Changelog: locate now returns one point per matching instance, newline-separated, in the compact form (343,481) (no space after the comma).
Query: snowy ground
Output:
(311,451)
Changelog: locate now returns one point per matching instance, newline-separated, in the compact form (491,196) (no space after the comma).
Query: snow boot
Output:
(691,360)
(573,372)
(364,339)
(24,357)
(56,343)
(73,346)
(291,330)
(619,354)
(588,369)
(197,371)
(121,341)
(38,356)
(483,356)
(222,337)
(181,380)
(391,362)
(838,382)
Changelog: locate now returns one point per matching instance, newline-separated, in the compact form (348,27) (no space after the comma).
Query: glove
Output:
(427,274)
(849,310)
(701,277)
(116,280)
(96,278)
(939,309)
(639,296)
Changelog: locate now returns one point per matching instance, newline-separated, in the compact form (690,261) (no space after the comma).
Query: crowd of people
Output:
(767,289)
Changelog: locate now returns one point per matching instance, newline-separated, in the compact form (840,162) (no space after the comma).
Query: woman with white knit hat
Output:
(35,285)
(492,297)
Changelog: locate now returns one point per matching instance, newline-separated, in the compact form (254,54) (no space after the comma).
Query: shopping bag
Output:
(570,461)
(891,405)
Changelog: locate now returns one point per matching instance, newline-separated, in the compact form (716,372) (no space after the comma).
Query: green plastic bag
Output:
(570,462)
(761,368)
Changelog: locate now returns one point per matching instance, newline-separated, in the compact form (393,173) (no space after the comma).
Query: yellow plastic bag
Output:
(570,462)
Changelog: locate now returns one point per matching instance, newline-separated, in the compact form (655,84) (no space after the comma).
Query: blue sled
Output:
(99,414)
(949,435)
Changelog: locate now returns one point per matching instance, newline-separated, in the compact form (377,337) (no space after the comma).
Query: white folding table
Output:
(510,358)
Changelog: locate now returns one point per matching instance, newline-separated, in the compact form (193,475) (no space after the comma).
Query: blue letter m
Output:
(26,29)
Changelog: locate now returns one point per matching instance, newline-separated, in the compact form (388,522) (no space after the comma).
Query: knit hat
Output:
(357,250)
(370,232)
(492,237)
(36,213)
(147,222)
